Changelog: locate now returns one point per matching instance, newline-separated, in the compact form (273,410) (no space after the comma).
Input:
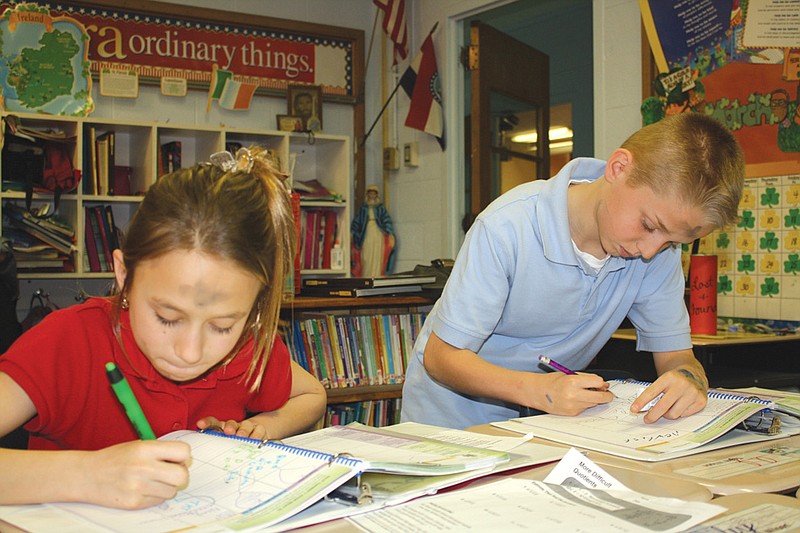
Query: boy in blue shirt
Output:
(553,267)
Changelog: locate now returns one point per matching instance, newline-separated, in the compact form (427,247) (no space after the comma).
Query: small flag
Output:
(421,83)
(394,24)
(218,79)
(237,94)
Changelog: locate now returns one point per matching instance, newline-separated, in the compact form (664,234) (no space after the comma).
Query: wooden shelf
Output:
(311,303)
(365,393)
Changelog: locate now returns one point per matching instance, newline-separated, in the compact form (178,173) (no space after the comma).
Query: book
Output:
(104,244)
(356,292)
(611,428)
(122,180)
(91,174)
(90,243)
(381,450)
(392,489)
(170,153)
(314,190)
(244,485)
(46,230)
(93,221)
(104,156)
(235,483)
(111,227)
(366,282)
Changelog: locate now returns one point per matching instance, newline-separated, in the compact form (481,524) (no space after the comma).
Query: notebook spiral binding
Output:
(340,458)
(713,394)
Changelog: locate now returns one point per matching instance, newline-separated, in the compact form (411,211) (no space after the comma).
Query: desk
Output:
(731,360)
(753,471)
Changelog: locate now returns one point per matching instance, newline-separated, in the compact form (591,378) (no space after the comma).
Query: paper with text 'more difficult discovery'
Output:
(577,496)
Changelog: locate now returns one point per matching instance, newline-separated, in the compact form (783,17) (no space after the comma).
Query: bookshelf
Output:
(138,147)
(348,310)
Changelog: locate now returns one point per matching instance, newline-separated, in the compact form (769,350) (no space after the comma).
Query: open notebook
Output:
(612,429)
(240,484)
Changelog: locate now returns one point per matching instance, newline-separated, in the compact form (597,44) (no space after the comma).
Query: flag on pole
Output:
(236,94)
(218,79)
(421,83)
(394,24)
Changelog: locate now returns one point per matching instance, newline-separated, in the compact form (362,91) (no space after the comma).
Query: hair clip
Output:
(223,160)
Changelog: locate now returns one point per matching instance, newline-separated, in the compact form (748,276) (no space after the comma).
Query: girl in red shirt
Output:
(193,329)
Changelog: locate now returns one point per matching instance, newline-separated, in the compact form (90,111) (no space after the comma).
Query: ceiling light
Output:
(556,133)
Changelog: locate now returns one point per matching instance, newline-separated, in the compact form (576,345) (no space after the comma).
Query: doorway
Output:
(563,30)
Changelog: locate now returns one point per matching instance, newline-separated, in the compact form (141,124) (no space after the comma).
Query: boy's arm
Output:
(682,380)
(554,392)
(130,475)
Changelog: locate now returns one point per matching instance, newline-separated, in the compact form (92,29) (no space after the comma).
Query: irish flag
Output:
(219,78)
(236,95)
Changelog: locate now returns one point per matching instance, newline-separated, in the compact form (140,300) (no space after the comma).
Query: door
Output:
(510,92)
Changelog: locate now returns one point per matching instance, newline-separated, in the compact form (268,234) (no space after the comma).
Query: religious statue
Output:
(373,238)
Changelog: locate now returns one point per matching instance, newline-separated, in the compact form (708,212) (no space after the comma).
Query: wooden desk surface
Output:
(723,339)
(747,468)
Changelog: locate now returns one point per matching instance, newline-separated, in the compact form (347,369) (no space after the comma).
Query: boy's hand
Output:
(683,395)
(245,428)
(135,474)
(572,394)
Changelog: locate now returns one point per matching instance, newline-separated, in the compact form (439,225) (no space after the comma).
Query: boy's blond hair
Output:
(694,157)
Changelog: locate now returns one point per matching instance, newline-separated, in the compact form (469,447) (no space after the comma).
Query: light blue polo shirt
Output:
(518,290)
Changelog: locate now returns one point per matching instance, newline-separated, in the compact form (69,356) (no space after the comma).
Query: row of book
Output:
(353,350)
(102,238)
(40,242)
(103,175)
(376,413)
(318,238)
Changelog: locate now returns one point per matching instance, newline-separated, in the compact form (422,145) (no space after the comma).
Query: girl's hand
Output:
(245,428)
(136,474)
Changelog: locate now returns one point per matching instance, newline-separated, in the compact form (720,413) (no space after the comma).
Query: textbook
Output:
(382,281)
(387,490)
(242,484)
(611,428)
(380,450)
(354,292)
(235,483)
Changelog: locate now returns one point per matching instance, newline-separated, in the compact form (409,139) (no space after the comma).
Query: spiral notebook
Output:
(241,484)
(235,484)
(612,429)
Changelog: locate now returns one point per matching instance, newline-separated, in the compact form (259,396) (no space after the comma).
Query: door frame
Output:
(527,85)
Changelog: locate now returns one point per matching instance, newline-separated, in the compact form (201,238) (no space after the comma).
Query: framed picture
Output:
(305,101)
(290,123)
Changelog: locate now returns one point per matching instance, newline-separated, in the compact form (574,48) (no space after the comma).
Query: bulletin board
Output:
(736,60)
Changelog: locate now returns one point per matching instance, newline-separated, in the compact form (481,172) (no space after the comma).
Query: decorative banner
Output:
(703,294)
(157,45)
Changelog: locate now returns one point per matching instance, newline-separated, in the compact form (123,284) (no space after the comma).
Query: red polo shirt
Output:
(60,364)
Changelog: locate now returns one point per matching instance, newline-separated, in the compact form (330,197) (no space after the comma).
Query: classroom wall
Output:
(425,202)
(432,228)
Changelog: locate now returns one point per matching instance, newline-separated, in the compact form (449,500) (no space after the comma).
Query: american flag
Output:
(394,24)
